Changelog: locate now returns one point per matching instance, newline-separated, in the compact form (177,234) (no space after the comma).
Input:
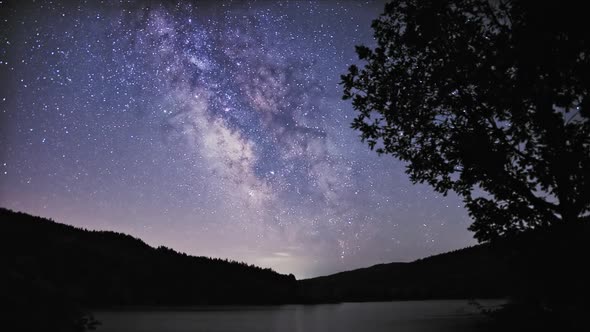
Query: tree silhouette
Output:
(489,99)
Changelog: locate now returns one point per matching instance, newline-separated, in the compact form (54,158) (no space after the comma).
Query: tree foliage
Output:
(489,99)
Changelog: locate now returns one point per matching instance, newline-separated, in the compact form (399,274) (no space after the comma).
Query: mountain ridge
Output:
(103,268)
(115,269)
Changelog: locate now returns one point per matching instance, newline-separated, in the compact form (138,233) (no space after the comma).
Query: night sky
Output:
(216,129)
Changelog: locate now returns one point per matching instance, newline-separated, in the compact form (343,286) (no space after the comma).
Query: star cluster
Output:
(215,128)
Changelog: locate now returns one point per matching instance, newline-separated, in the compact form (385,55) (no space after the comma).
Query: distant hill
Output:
(547,264)
(474,272)
(97,268)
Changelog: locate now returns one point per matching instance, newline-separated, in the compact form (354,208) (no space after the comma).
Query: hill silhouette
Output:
(542,272)
(474,272)
(101,268)
(546,263)
(52,270)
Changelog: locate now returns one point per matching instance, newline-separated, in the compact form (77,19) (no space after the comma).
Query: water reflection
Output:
(411,316)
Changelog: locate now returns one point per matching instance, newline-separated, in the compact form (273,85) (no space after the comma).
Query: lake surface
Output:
(406,316)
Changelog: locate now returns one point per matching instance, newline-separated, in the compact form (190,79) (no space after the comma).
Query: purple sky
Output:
(216,129)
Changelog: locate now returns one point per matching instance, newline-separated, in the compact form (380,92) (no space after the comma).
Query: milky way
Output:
(213,128)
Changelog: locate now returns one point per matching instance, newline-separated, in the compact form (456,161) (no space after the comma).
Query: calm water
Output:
(412,316)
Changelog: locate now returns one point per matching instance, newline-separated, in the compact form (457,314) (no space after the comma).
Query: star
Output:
(216,130)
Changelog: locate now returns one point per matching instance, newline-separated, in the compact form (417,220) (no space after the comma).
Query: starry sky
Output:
(214,128)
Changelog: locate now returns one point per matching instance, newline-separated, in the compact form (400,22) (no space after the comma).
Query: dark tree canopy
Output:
(489,99)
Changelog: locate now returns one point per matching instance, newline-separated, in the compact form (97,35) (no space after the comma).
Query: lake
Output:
(403,316)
